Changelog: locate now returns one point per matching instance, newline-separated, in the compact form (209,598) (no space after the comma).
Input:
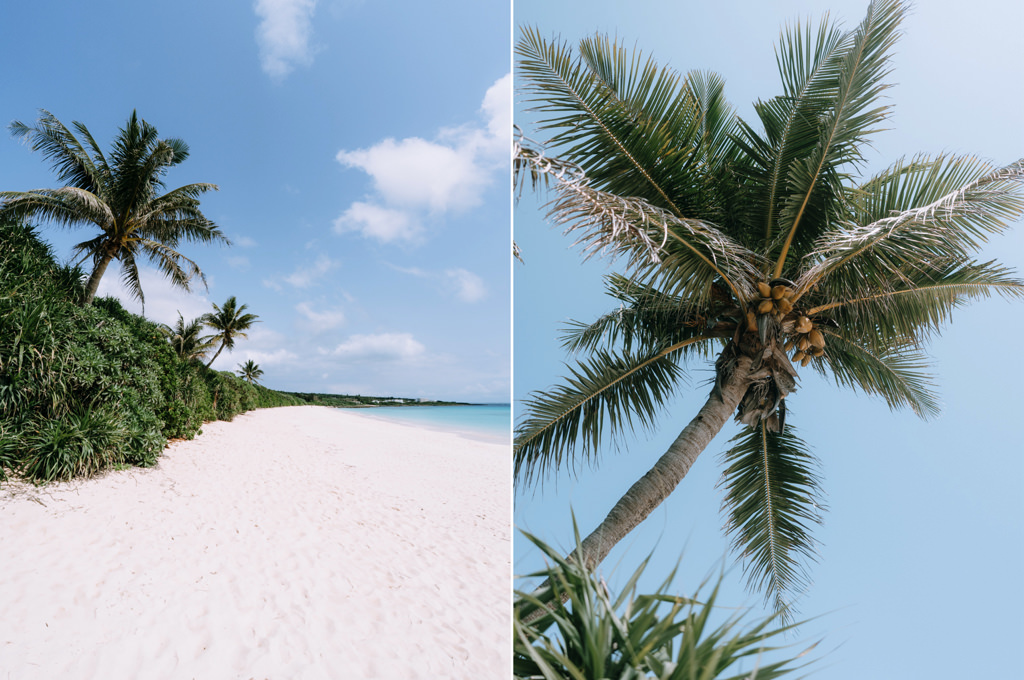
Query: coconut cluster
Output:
(777,300)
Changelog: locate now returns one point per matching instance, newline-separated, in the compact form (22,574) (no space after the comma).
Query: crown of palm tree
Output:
(755,243)
(186,338)
(229,322)
(250,371)
(119,195)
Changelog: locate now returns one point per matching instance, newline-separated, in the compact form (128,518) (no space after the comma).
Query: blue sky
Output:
(361,150)
(921,547)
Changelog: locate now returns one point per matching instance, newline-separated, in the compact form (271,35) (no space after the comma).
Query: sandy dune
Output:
(300,542)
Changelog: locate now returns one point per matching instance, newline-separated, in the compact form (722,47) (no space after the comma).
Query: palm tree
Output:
(229,323)
(186,338)
(120,196)
(753,244)
(250,372)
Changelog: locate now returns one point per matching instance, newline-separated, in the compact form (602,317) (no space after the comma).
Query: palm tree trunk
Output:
(93,283)
(216,355)
(649,491)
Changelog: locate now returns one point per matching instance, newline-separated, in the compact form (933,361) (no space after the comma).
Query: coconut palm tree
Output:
(229,322)
(756,245)
(250,372)
(186,338)
(120,196)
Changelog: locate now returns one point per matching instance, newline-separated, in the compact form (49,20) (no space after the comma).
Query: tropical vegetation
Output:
(250,372)
(186,338)
(119,196)
(588,633)
(758,245)
(83,389)
(228,323)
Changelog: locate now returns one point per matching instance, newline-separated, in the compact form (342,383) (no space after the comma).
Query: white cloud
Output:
(469,286)
(283,35)
(387,346)
(416,173)
(321,321)
(262,345)
(306,275)
(239,262)
(163,301)
(374,221)
(497,107)
(447,174)
(243,241)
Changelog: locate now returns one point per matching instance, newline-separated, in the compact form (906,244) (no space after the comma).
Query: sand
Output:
(291,543)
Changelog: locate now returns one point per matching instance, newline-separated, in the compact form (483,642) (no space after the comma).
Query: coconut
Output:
(803,343)
(799,356)
(764,289)
(765,306)
(804,325)
(785,306)
(806,360)
(778,292)
(817,339)
(751,321)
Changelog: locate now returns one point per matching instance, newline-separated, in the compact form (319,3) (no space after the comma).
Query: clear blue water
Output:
(491,422)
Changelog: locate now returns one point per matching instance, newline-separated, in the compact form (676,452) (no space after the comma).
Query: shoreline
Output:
(292,542)
(478,434)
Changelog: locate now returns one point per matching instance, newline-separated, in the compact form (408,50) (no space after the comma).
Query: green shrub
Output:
(86,388)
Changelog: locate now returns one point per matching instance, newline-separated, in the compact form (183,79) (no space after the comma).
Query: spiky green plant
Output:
(118,196)
(587,633)
(756,244)
(187,339)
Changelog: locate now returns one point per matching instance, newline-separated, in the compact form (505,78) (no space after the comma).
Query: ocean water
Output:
(489,422)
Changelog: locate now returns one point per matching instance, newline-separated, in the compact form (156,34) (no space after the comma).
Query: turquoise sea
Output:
(489,422)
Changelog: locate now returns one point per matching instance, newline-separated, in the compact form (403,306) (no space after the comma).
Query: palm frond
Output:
(816,182)
(645,317)
(772,497)
(67,206)
(689,255)
(604,396)
(913,307)
(897,373)
(70,161)
(169,261)
(810,75)
(948,229)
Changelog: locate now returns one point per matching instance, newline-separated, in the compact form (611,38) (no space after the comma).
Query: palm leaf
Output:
(772,497)
(71,162)
(609,392)
(947,229)
(915,305)
(897,373)
(645,317)
(844,127)
(810,75)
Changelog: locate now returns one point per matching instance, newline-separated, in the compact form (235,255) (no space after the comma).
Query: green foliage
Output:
(116,195)
(716,222)
(83,389)
(633,636)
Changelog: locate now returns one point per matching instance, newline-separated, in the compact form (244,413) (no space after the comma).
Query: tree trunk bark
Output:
(219,349)
(93,283)
(649,491)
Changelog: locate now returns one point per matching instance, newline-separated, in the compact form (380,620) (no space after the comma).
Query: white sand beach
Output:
(292,543)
